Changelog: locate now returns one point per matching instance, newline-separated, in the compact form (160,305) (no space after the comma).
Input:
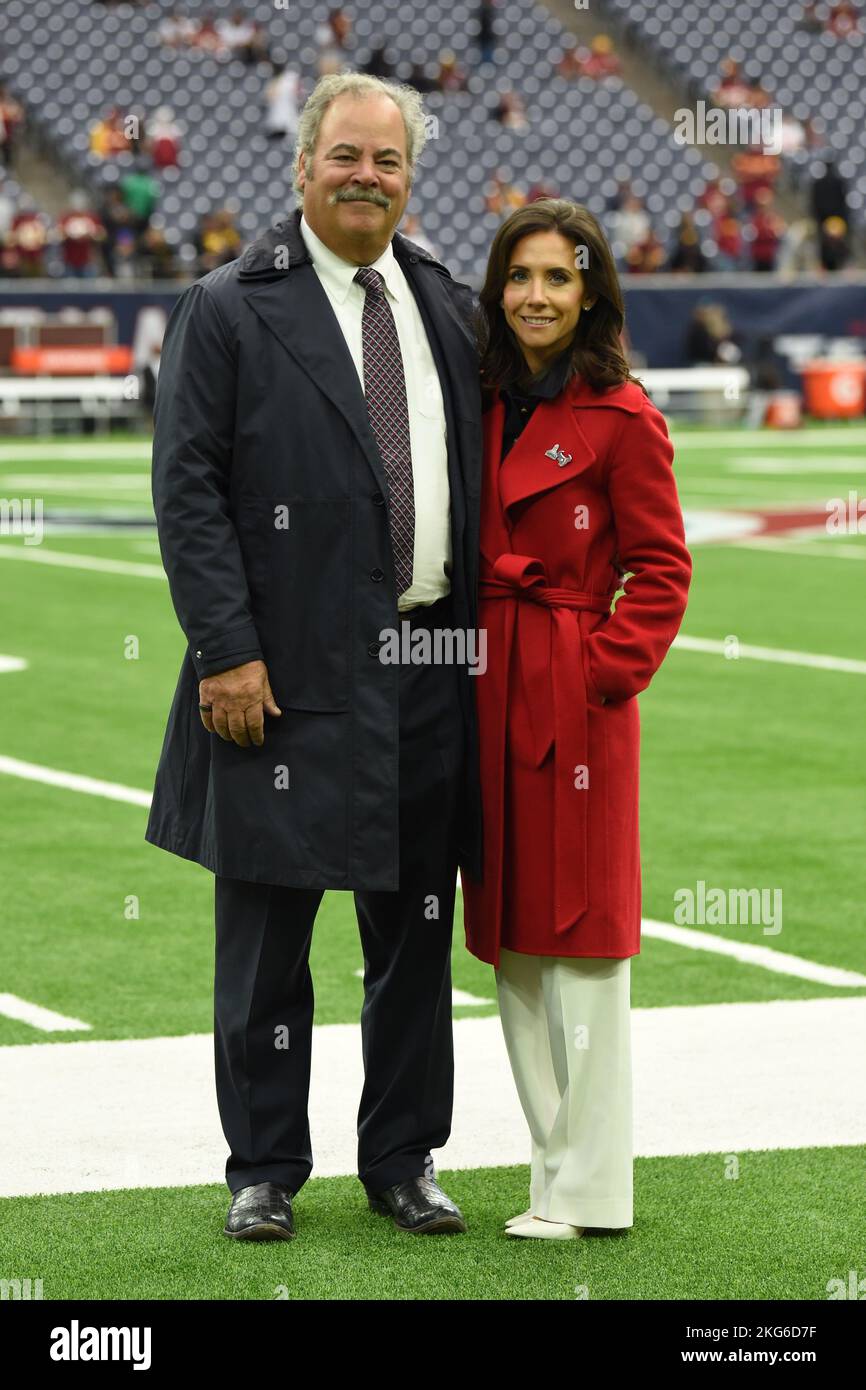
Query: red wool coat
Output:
(586,493)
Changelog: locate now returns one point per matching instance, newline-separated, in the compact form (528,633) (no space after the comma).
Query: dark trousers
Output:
(262,977)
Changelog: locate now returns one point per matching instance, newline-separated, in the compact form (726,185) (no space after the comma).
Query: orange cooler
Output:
(834,390)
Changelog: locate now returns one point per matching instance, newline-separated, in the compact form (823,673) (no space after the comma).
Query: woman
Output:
(578,490)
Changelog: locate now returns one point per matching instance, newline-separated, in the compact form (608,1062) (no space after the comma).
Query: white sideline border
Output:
(714,1078)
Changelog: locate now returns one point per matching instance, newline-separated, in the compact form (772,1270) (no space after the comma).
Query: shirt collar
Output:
(339,275)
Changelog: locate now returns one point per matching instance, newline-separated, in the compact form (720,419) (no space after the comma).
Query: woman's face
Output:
(543,295)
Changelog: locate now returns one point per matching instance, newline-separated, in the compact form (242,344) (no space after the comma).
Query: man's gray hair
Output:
(358,84)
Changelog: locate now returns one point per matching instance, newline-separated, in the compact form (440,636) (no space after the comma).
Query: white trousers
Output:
(567,1027)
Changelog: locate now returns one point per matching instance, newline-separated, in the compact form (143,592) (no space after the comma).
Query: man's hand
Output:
(238,698)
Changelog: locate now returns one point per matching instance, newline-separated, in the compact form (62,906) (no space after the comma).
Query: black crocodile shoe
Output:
(418,1206)
(261,1212)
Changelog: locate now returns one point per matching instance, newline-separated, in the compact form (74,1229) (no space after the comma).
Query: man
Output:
(316,468)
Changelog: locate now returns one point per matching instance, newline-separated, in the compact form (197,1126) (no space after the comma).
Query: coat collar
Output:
(553,447)
(281,286)
(628,397)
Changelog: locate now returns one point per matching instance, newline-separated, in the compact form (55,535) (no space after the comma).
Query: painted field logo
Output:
(76,1343)
(23,1289)
(720,907)
(729,125)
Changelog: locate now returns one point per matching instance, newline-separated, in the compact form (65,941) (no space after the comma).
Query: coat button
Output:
(377,499)
(377,575)
(373,648)
(198,653)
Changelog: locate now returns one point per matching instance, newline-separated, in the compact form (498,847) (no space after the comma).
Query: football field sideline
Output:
(723,1078)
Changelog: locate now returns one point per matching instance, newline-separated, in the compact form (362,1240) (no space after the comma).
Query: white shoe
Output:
(536,1226)
(513,1220)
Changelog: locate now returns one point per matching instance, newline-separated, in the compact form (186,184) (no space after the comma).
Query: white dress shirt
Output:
(427,430)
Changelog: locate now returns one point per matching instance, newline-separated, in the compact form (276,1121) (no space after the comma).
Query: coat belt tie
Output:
(544,664)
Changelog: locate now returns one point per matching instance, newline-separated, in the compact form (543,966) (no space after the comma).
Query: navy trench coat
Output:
(271,503)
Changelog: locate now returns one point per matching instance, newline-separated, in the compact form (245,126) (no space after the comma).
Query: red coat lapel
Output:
(529,469)
(553,447)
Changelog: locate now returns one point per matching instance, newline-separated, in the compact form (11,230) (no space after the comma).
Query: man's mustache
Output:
(360,195)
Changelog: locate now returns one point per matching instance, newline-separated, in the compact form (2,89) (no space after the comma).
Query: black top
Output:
(519,405)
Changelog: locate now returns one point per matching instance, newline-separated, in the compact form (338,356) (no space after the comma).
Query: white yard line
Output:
(83,531)
(41,556)
(46,1020)
(766,957)
(818,550)
(18,452)
(776,654)
(768,439)
(12,663)
(73,781)
(819,463)
(747,488)
(28,483)
(719,1078)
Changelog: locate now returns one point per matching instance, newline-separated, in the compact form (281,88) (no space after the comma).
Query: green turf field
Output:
(752,775)
(781,1232)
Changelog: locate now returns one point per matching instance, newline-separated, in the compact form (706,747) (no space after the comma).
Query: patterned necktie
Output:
(385,392)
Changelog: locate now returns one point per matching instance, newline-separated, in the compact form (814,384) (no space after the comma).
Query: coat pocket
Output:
(300,568)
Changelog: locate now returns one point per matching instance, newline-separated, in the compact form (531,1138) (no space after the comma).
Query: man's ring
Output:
(205,706)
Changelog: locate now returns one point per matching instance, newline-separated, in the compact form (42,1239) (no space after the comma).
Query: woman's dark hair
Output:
(596,352)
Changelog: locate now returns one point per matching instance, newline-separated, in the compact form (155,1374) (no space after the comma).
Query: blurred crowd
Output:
(120,238)
(733,226)
(237,36)
(735,223)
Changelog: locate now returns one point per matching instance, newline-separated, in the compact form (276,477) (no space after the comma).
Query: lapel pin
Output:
(558,456)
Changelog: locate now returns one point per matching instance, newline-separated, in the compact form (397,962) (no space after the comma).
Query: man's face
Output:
(359,186)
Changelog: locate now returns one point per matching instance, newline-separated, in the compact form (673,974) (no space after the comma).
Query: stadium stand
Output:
(801,56)
(72,61)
